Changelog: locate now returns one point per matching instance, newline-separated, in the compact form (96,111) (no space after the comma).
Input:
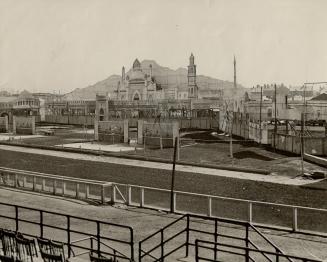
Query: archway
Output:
(136,96)
(101,114)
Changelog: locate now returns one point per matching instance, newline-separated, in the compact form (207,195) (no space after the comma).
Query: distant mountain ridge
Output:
(166,77)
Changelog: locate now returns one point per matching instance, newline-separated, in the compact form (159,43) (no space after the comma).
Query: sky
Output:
(52,46)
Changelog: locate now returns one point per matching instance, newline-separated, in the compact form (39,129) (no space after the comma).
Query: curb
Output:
(135,157)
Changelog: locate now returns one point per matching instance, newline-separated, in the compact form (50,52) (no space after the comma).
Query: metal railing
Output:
(156,246)
(228,251)
(264,214)
(290,218)
(54,184)
(25,219)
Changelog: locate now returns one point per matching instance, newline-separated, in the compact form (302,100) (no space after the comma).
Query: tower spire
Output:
(235,72)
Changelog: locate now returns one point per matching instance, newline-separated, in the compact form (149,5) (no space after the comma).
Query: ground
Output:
(202,147)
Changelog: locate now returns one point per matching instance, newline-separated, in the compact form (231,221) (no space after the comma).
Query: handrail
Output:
(265,238)
(157,232)
(226,198)
(68,230)
(44,175)
(197,241)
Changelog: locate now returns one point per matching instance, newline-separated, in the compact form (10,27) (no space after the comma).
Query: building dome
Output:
(136,65)
(136,73)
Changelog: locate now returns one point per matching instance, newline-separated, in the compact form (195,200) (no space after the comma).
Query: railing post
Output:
(140,251)
(68,236)
(129,195)
(87,191)
(15,180)
(132,244)
(63,187)
(187,235)
(277,255)
(98,238)
(142,197)
(295,224)
(77,190)
(16,218)
(113,194)
(162,245)
(173,207)
(41,223)
(43,185)
(250,210)
(24,181)
(197,251)
(34,183)
(54,186)
(216,238)
(209,206)
(247,255)
(103,194)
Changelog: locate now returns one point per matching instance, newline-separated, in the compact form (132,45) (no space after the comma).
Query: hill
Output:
(166,77)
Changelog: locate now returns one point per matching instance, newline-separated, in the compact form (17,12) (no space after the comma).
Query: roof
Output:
(7,99)
(321,97)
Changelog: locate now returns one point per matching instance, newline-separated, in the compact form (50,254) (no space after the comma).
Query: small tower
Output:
(123,74)
(235,85)
(151,72)
(191,79)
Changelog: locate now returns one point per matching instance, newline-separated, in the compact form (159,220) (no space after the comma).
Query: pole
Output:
(302,142)
(260,110)
(275,131)
(231,138)
(172,200)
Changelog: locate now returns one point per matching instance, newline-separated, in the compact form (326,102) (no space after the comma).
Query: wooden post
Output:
(275,129)
(87,191)
(209,206)
(173,179)
(260,119)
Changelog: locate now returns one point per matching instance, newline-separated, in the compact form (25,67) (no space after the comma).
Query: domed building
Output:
(137,85)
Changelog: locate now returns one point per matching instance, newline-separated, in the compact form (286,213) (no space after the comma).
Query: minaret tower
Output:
(191,77)
(235,72)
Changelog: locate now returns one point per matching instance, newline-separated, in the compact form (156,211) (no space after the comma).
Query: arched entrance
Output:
(101,114)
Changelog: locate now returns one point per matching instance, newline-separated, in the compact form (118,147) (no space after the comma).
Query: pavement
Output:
(143,221)
(273,178)
(10,136)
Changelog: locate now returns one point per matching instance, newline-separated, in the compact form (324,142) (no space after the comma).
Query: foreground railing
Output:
(56,185)
(184,233)
(229,252)
(118,239)
(264,214)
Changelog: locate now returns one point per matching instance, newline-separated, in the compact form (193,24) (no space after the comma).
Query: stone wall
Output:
(4,124)
(112,132)
(24,125)
(70,119)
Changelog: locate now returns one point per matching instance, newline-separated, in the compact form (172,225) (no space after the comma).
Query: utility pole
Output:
(275,131)
(172,197)
(260,120)
(302,142)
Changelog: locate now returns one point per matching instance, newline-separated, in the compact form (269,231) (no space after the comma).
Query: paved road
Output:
(156,176)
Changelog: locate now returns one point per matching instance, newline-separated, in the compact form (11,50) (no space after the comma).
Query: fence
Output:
(188,229)
(264,214)
(68,230)
(57,185)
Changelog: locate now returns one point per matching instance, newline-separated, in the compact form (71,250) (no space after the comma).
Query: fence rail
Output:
(57,185)
(264,214)
(24,218)
(238,251)
(156,246)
